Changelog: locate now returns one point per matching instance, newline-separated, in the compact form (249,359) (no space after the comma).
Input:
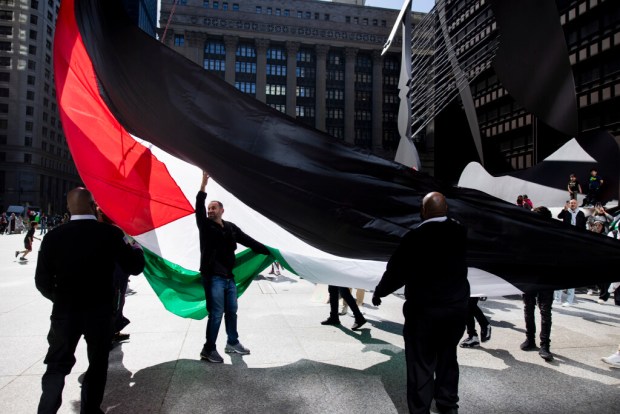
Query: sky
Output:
(418,5)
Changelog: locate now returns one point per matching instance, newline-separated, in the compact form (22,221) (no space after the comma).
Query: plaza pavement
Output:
(299,366)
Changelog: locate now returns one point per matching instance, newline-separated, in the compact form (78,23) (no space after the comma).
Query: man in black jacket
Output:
(218,242)
(572,216)
(75,271)
(430,263)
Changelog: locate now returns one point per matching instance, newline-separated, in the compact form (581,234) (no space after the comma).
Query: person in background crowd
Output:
(573,187)
(544,298)
(28,240)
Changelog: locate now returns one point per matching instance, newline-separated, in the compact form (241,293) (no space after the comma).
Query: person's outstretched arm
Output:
(201,197)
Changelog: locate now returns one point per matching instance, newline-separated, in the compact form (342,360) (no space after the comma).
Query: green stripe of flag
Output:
(181,291)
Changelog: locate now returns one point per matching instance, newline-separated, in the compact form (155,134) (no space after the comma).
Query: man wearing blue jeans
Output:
(218,242)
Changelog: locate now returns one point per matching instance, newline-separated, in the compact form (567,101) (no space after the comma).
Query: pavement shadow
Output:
(192,386)
(523,387)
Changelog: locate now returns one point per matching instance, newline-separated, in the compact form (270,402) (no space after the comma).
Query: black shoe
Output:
(331,321)
(358,324)
(545,353)
(528,345)
(120,336)
(485,333)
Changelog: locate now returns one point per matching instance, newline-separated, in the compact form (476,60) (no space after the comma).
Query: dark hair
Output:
(544,211)
(219,203)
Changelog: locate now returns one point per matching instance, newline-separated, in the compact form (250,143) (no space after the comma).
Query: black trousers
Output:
(474,313)
(431,339)
(545,302)
(334,291)
(65,332)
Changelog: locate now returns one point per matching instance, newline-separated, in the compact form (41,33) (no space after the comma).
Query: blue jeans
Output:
(570,295)
(221,294)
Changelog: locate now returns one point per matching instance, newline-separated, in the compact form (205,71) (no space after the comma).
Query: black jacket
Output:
(218,244)
(431,263)
(580,220)
(76,265)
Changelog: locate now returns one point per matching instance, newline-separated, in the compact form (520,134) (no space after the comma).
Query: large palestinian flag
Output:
(142,122)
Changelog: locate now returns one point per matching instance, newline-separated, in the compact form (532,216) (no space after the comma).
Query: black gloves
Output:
(376,300)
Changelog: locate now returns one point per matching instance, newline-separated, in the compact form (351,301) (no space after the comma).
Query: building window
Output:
(28,126)
(33,35)
(28,141)
(4,123)
(269,10)
(287,12)
(215,64)
(7,46)
(276,70)
(224,6)
(276,54)
(326,16)
(365,21)
(347,19)
(383,23)
(246,87)
(4,92)
(6,15)
(300,14)
(375,22)
(34,19)
(5,77)
(30,95)
(275,89)
(205,4)
(216,5)
(304,92)
(308,15)
(246,50)
(27,158)
(235,6)
(278,12)
(32,65)
(179,40)
(259,9)
(34,4)
(215,48)
(317,16)
(245,67)
(4,108)
(29,110)
(5,61)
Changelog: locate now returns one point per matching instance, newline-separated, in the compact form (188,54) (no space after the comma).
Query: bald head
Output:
(81,201)
(434,205)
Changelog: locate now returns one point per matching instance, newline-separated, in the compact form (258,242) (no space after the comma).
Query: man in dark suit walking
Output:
(75,271)
(430,263)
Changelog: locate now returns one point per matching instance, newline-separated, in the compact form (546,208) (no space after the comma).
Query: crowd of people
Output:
(435,318)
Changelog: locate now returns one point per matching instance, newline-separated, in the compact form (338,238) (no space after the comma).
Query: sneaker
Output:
(528,345)
(613,360)
(16,253)
(566,304)
(212,356)
(23,259)
(331,321)
(485,333)
(236,349)
(358,324)
(545,353)
(470,342)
